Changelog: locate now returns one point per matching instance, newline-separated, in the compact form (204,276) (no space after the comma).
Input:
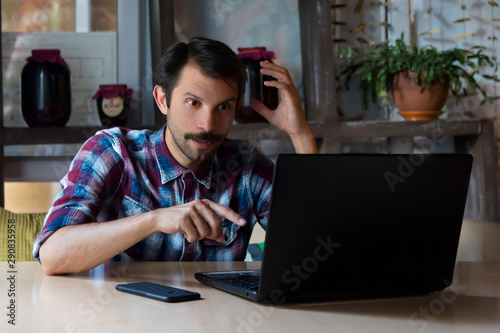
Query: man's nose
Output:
(206,120)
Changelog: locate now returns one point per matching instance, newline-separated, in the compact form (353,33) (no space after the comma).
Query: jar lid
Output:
(47,55)
(255,53)
(113,91)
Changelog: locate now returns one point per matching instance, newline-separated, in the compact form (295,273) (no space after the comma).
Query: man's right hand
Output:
(196,220)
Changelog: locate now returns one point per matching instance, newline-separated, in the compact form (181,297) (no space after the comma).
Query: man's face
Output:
(199,117)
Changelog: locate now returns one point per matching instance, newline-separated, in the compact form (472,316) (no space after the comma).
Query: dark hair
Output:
(215,59)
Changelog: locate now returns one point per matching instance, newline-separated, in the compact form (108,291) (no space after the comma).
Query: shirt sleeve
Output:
(94,174)
(260,179)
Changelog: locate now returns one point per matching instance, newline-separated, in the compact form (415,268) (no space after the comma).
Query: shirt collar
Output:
(171,169)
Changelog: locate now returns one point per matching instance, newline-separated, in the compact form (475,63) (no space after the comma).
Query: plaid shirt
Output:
(121,172)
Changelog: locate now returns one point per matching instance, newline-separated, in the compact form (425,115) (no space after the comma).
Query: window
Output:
(59,15)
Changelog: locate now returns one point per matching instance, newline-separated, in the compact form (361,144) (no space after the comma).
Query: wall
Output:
(442,15)
(273,24)
(30,197)
(432,24)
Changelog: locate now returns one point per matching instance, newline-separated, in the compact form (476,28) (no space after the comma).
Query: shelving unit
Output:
(465,136)
(475,137)
(264,131)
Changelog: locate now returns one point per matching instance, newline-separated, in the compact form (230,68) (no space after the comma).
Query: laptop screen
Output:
(363,225)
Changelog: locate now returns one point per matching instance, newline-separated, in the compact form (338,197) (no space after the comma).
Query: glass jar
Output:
(46,89)
(113,102)
(255,88)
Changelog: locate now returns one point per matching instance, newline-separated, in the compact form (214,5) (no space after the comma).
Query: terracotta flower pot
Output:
(414,105)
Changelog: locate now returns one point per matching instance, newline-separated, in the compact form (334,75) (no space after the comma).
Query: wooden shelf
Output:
(48,135)
(364,129)
(262,131)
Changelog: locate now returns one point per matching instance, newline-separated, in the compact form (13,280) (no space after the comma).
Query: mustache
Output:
(203,136)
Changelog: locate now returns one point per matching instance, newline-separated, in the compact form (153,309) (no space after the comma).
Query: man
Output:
(183,192)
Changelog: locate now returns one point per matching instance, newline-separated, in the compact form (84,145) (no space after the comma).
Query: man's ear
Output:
(160,99)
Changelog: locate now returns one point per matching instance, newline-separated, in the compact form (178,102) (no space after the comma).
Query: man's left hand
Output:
(288,116)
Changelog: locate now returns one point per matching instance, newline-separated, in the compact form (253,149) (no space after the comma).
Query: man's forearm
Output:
(77,248)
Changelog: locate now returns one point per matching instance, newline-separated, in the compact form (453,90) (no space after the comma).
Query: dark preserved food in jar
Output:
(46,89)
(255,88)
(113,102)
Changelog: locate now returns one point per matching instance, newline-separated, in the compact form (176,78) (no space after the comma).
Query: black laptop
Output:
(357,226)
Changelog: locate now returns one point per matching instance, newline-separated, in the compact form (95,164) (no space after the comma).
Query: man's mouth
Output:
(203,144)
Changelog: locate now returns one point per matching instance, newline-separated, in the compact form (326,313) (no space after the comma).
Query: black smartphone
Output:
(158,291)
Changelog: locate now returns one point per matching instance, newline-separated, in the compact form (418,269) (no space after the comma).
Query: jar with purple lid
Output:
(113,101)
(46,89)
(255,88)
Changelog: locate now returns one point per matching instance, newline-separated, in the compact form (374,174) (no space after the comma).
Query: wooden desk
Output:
(88,302)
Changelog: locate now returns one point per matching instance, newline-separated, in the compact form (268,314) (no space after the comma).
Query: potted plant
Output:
(419,78)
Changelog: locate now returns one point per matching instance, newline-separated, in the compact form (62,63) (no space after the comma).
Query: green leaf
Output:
(377,66)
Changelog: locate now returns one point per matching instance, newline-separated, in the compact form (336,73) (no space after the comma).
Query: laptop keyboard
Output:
(248,281)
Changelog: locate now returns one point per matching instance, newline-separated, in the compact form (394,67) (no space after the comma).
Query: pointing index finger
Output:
(226,212)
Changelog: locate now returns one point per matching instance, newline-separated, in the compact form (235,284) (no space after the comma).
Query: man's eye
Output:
(225,107)
(193,102)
